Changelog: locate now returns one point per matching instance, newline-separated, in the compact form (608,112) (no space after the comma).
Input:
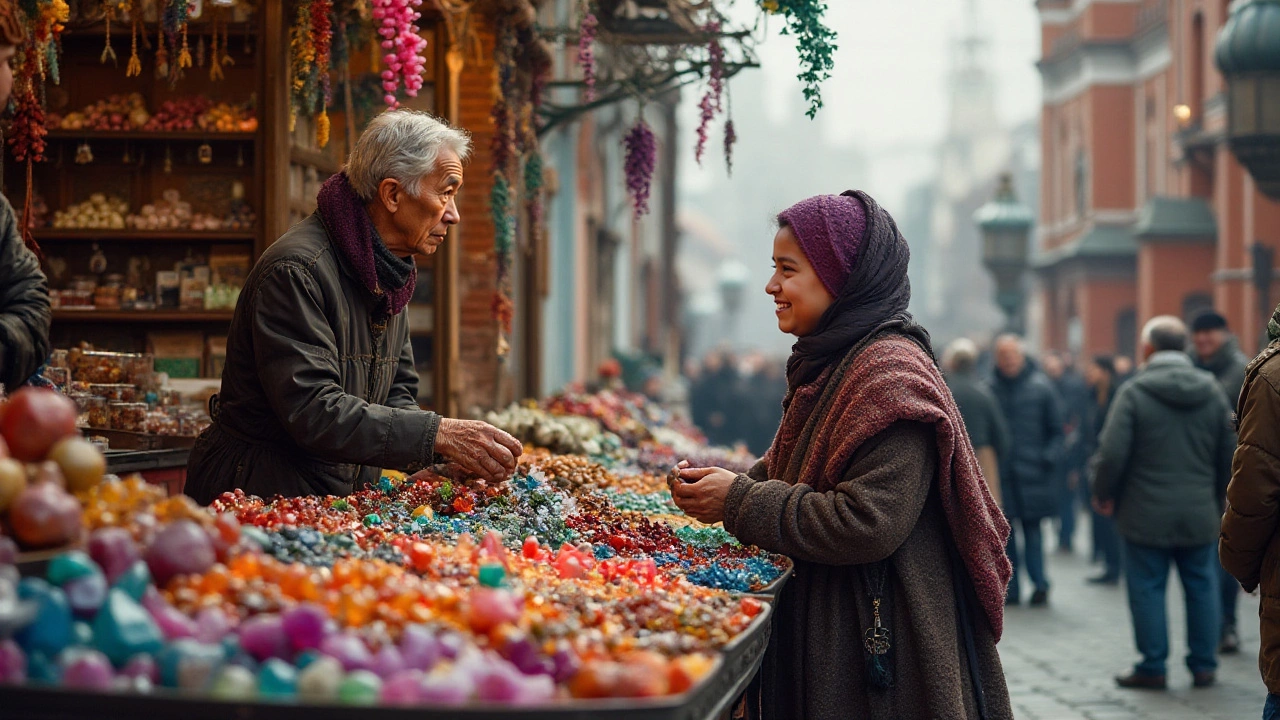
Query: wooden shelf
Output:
(120,29)
(176,135)
(125,316)
(88,234)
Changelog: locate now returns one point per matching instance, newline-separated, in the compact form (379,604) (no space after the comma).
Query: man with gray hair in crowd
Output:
(1162,465)
(319,392)
(978,407)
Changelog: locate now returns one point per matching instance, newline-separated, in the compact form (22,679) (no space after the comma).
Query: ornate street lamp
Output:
(1248,54)
(732,278)
(1006,229)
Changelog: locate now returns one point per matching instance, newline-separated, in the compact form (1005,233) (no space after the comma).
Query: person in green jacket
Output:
(24,291)
(1162,466)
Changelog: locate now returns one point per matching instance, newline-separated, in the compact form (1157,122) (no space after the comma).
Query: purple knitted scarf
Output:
(351,231)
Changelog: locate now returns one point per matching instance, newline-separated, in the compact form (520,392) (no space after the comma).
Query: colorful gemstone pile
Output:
(169,595)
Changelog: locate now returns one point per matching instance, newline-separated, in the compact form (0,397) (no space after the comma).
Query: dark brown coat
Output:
(886,507)
(316,399)
(1249,545)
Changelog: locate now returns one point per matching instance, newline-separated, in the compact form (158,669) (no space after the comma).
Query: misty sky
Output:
(889,88)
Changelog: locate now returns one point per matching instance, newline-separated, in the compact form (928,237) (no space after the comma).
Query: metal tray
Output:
(771,590)
(734,670)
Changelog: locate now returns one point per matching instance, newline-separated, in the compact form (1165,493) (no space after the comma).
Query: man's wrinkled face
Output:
(422,221)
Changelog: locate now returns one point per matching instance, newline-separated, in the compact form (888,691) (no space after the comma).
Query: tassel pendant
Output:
(876,641)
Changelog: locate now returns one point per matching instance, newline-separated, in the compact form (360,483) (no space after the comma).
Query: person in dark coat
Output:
(1101,376)
(1163,462)
(319,392)
(24,291)
(979,408)
(1218,351)
(1074,394)
(1028,473)
(872,487)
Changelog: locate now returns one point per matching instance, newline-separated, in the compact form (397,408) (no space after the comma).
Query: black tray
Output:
(735,668)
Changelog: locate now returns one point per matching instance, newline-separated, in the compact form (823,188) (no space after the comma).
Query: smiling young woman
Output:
(872,488)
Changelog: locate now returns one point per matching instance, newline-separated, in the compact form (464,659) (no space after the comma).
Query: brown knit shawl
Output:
(886,378)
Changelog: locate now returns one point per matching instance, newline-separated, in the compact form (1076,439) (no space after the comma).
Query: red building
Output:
(1144,211)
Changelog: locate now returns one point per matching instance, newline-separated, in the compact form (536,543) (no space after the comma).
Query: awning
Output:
(1177,220)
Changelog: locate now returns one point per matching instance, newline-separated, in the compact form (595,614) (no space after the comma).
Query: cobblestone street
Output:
(1061,661)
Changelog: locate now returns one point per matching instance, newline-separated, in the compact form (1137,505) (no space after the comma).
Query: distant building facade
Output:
(1143,209)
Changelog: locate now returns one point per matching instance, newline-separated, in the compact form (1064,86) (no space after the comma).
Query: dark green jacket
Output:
(1227,366)
(314,400)
(1165,452)
(24,305)
(1029,470)
(982,417)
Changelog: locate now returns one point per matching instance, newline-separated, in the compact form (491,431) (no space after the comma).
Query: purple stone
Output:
(349,650)
(142,666)
(8,550)
(305,626)
(89,670)
(451,689)
(13,662)
(420,648)
(262,636)
(388,662)
(86,594)
(566,663)
(527,657)
(403,688)
(173,623)
(114,550)
(451,644)
(499,682)
(212,625)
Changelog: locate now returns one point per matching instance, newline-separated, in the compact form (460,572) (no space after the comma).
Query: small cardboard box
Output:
(180,354)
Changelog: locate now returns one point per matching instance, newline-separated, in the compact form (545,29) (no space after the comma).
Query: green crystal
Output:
(372,519)
(70,566)
(135,580)
(361,687)
(340,504)
(123,629)
(277,678)
(491,575)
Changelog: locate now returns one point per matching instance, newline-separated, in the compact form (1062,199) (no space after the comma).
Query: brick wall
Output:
(477,268)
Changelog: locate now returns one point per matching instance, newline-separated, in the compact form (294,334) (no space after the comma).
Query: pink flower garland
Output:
(711,104)
(397,24)
(641,156)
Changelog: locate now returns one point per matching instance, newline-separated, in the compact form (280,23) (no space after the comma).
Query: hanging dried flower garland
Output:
(712,100)
(586,54)
(641,157)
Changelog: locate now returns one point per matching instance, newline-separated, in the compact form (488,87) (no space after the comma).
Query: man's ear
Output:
(389,194)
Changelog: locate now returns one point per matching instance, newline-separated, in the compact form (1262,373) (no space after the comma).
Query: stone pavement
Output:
(1060,661)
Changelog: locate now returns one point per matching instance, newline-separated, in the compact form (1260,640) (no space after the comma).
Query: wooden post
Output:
(449,62)
(274,126)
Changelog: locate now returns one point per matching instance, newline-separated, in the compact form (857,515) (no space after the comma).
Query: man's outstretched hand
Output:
(478,448)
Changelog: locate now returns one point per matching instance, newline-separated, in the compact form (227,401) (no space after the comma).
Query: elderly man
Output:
(319,390)
(1163,461)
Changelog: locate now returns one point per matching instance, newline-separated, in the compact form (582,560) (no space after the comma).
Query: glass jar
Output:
(129,416)
(59,376)
(93,366)
(115,392)
(141,371)
(91,410)
(58,359)
(102,444)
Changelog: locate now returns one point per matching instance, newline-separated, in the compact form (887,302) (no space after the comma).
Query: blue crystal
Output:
(277,679)
(123,628)
(50,631)
(135,580)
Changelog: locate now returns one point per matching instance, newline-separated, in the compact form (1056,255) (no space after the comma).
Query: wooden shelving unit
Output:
(172,135)
(142,316)
(186,236)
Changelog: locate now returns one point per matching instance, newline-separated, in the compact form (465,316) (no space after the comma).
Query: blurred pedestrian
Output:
(872,488)
(1218,351)
(982,417)
(1101,376)
(1124,369)
(1249,541)
(1164,458)
(1075,405)
(1028,474)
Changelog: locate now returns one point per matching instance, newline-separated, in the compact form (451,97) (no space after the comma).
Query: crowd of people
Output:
(1147,453)
(737,399)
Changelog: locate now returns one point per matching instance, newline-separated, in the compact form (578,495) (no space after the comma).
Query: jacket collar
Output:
(1169,357)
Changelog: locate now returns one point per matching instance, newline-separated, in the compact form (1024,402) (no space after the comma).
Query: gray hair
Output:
(960,356)
(1165,332)
(1014,338)
(403,145)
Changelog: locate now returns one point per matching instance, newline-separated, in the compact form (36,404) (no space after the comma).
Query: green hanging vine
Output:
(815,42)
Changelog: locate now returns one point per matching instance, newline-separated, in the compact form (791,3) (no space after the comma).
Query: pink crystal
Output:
(403,688)
(114,550)
(349,650)
(262,636)
(13,662)
(306,626)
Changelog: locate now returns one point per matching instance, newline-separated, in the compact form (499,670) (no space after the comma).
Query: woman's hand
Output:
(479,448)
(702,492)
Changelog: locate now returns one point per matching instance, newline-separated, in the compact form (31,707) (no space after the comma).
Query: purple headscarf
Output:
(861,257)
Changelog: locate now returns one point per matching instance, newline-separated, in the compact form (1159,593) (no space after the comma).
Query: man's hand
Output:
(702,492)
(478,448)
(1105,508)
